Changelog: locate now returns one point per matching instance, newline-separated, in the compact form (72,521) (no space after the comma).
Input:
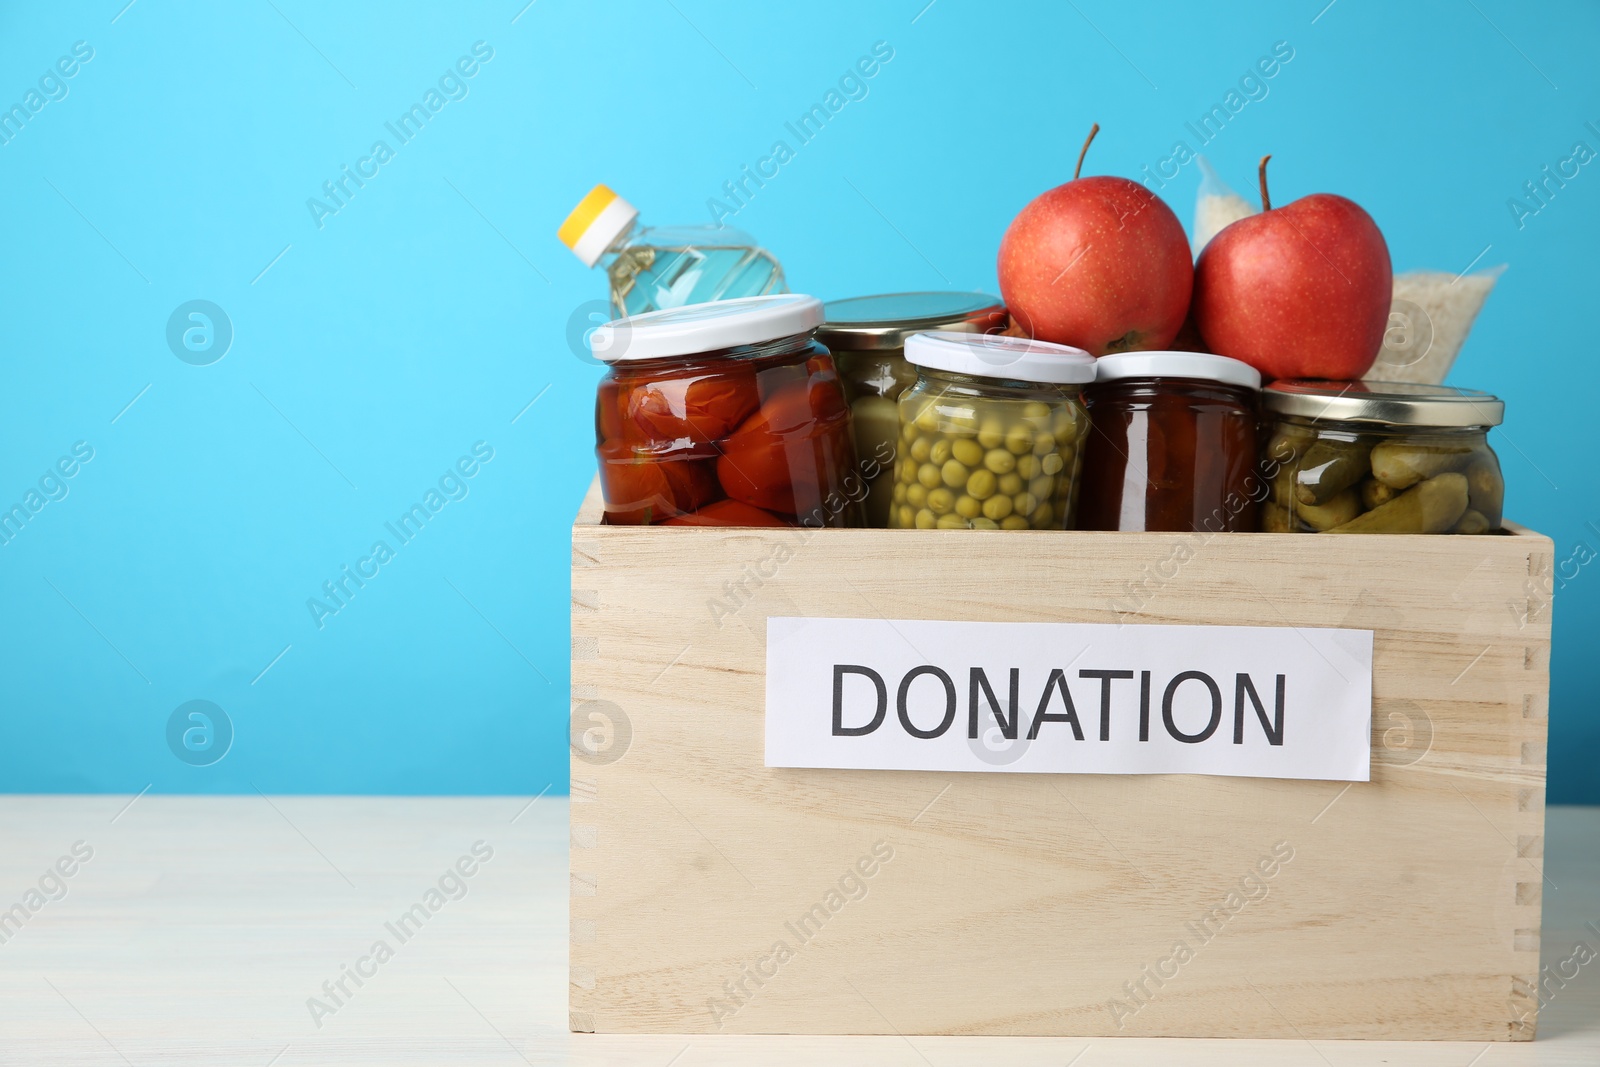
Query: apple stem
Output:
(1085,150)
(1266,204)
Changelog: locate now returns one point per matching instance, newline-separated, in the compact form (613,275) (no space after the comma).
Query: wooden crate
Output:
(1032,904)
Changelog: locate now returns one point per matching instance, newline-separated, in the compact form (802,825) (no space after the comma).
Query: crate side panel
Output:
(731,897)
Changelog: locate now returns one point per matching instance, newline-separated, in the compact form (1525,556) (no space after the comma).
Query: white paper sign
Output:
(1069,698)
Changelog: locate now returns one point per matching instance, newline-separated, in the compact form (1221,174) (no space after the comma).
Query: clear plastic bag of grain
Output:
(1215,206)
(1432,313)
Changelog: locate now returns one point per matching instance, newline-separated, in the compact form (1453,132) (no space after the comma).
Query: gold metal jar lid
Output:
(875,323)
(1388,403)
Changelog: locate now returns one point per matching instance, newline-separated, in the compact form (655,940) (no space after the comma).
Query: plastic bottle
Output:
(654,268)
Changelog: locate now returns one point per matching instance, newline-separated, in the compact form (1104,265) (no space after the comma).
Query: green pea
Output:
(916,495)
(906,516)
(1051,464)
(1013,522)
(939,453)
(1011,484)
(1028,466)
(992,433)
(1000,461)
(1025,502)
(941,500)
(997,507)
(981,485)
(953,474)
(968,507)
(926,519)
(1043,487)
(1044,443)
(1019,440)
(982,523)
(966,451)
(928,475)
(920,447)
(951,522)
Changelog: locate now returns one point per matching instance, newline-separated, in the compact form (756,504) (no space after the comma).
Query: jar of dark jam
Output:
(1172,444)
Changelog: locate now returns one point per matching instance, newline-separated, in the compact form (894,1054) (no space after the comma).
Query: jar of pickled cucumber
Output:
(867,336)
(991,434)
(1380,457)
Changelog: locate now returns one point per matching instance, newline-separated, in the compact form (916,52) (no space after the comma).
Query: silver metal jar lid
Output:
(1389,403)
(875,323)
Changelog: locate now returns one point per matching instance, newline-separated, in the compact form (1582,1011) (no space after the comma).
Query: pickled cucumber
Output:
(1289,442)
(1328,468)
(1431,506)
(1402,464)
(1283,488)
(1485,487)
(1275,518)
(875,420)
(1374,492)
(985,462)
(1336,512)
(1471,522)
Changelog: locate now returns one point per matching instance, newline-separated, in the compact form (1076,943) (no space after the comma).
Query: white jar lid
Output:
(994,356)
(697,328)
(1201,365)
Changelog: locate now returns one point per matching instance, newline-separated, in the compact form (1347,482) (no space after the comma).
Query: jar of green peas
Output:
(991,434)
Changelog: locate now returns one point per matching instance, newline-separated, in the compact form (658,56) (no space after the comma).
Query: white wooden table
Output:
(200,927)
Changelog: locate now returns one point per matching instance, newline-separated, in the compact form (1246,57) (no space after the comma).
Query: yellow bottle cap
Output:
(597,221)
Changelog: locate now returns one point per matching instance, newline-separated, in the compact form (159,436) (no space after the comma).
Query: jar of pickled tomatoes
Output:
(991,435)
(725,414)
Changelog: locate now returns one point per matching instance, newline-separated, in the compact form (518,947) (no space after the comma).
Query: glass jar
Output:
(867,335)
(1172,444)
(1380,457)
(991,434)
(724,414)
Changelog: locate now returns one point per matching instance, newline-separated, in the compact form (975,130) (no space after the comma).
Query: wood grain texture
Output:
(1034,904)
(202,924)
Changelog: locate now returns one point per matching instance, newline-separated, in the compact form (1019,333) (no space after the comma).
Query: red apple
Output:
(1099,263)
(1300,291)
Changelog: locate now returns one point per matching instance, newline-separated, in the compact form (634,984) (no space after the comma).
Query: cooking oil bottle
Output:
(651,268)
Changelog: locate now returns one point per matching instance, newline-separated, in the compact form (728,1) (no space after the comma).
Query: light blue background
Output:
(427,313)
